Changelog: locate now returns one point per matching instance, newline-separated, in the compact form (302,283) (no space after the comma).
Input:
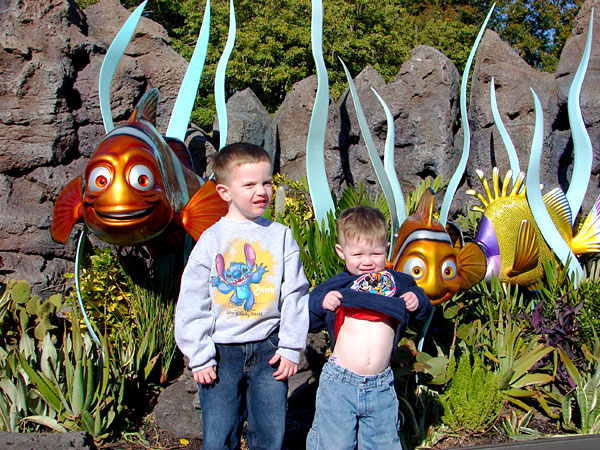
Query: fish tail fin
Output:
(204,209)
(587,239)
(67,211)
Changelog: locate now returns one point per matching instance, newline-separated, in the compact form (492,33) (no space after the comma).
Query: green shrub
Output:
(105,290)
(472,401)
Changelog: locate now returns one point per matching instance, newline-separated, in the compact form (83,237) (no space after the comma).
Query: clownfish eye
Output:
(140,177)
(414,266)
(100,177)
(449,270)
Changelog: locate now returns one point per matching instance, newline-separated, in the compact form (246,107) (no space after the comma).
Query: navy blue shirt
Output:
(350,286)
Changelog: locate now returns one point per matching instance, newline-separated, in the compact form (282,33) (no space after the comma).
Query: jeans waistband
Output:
(346,376)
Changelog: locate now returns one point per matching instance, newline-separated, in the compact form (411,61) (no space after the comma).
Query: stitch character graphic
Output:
(238,278)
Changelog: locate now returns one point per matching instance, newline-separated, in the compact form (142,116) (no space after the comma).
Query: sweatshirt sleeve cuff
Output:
(210,362)
(292,355)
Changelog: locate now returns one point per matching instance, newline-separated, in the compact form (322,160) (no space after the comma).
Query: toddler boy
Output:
(242,314)
(365,319)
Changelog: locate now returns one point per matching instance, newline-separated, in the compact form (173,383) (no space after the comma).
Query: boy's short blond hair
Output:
(234,155)
(362,223)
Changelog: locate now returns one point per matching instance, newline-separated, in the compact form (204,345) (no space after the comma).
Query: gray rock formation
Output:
(50,123)
(287,139)
(46,441)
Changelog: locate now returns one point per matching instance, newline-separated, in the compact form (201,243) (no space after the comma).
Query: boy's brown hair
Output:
(234,155)
(362,223)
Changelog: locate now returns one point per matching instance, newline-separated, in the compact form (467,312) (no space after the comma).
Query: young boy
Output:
(242,313)
(356,396)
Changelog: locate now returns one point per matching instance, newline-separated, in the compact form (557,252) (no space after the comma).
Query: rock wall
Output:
(50,123)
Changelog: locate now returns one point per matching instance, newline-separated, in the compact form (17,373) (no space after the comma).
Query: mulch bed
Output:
(150,437)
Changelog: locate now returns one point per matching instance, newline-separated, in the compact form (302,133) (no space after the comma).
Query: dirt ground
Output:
(150,437)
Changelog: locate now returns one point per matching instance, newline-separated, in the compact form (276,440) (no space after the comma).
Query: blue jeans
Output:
(352,407)
(245,387)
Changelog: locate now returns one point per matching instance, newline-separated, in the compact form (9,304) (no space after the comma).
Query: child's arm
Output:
(411,300)
(193,313)
(332,300)
(293,326)
(205,376)
(316,307)
(423,306)
(286,367)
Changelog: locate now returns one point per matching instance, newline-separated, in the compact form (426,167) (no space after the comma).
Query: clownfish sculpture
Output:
(512,242)
(139,187)
(435,256)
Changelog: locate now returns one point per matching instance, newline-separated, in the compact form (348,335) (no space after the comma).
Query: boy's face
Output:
(361,256)
(248,190)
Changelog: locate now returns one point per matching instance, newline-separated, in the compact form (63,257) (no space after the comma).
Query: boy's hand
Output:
(286,367)
(205,376)
(411,300)
(332,300)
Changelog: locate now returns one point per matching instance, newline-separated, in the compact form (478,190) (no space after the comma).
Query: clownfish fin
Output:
(456,236)
(472,265)
(146,108)
(204,209)
(67,211)
(181,151)
(526,250)
(587,239)
(425,206)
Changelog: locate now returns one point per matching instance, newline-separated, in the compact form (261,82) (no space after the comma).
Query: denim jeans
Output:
(245,387)
(352,407)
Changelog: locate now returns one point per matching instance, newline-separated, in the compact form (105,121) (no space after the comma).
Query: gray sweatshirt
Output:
(243,280)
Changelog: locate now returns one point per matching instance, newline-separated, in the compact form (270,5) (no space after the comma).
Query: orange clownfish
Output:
(138,186)
(435,256)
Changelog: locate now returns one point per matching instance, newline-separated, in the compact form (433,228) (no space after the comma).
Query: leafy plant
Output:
(290,198)
(558,329)
(78,383)
(500,335)
(421,413)
(51,375)
(517,427)
(352,196)
(472,401)
(412,200)
(470,222)
(583,399)
(317,249)
(105,290)
(138,318)
(588,292)
(149,344)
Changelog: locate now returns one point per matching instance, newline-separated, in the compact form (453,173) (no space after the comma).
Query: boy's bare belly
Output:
(364,347)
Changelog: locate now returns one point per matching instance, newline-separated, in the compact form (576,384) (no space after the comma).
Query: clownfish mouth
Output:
(125,215)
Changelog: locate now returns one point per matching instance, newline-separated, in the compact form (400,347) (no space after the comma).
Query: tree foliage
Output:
(273,47)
